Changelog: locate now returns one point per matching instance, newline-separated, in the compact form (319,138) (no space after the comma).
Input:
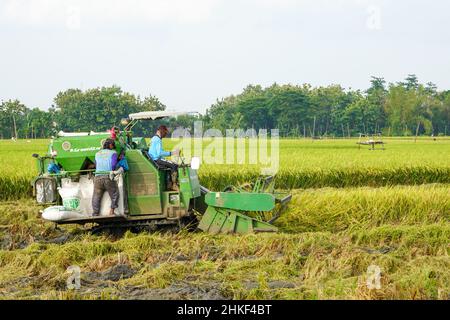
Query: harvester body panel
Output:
(144,185)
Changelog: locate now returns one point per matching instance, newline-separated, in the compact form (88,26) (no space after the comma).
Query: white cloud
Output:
(48,12)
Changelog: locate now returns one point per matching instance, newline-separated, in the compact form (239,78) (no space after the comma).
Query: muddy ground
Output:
(94,284)
(34,257)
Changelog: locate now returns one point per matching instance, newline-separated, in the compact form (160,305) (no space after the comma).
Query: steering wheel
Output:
(180,157)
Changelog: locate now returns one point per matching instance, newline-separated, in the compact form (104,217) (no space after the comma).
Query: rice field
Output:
(351,209)
(303,164)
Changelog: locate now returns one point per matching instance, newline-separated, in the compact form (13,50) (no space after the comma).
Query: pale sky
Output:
(189,53)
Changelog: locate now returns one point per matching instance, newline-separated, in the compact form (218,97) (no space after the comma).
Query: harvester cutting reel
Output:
(245,209)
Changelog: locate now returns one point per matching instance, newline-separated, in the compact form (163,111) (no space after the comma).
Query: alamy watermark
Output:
(373,21)
(237,146)
(73,18)
(73,281)
(373,280)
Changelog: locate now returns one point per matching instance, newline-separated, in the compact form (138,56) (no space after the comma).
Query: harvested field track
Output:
(328,236)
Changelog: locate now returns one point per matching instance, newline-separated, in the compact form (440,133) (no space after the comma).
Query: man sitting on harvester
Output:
(157,153)
(105,161)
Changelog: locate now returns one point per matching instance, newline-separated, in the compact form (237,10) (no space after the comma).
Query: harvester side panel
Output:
(143,184)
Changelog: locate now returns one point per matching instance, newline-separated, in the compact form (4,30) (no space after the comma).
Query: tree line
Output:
(401,109)
(73,110)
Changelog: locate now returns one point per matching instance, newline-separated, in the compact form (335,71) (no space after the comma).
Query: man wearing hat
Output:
(157,153)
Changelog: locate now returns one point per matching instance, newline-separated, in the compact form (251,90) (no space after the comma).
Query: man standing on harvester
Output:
(157,154)
(105,162)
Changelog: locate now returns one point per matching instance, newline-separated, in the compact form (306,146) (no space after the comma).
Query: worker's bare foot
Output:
(111,212)
(175,187)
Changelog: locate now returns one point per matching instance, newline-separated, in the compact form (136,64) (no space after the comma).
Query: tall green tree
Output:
(39,123)
(13,116)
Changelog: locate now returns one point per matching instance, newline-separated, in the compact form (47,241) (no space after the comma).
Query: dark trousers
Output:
(167,164)
(101,184)
(173,170)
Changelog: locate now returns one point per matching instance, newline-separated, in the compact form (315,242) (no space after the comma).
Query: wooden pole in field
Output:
(15,127)
(417,131)
(314,128)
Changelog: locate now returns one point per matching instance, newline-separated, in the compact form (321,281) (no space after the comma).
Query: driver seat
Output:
(166,171)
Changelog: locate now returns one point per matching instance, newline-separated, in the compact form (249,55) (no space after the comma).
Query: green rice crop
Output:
(335,210)
(303,164)
(353,208)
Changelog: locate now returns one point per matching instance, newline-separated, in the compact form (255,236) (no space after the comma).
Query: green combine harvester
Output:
(145,201)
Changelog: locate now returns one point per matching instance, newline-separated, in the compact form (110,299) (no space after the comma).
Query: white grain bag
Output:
(70,196)
(59,213)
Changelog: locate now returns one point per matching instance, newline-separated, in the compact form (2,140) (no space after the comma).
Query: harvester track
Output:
(151,225)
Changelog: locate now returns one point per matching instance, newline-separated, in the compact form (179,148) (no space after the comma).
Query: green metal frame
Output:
(219,220)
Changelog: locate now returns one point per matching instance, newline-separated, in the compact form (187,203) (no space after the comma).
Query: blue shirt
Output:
(105,161)
(123,163)
(53,168)
(156,151)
